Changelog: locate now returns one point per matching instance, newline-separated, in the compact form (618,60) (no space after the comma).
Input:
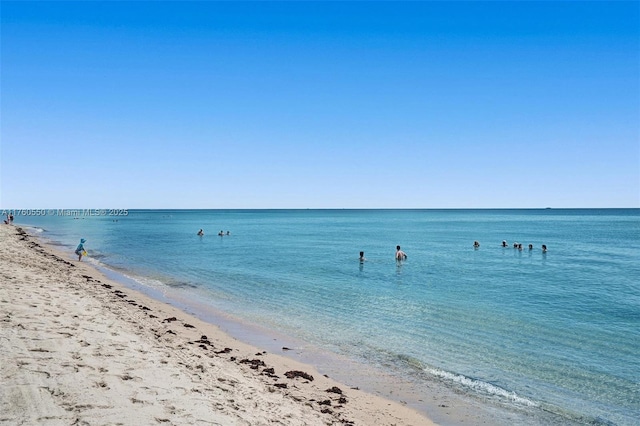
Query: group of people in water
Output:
(221,233)
(518,246)
(400,255)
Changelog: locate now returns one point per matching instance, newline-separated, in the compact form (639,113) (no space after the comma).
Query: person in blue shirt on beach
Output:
(80,249)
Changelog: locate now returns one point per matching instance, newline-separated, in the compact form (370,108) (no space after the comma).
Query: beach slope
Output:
(78,348)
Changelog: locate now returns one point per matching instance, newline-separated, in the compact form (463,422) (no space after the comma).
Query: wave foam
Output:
(482,387)
(35,229)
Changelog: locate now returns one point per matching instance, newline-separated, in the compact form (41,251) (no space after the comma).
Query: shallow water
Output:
(555,332)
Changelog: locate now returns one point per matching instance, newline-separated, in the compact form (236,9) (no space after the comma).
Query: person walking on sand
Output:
(400,255)
(80,251)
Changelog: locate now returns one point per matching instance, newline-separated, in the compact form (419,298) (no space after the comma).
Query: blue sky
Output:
(320,105)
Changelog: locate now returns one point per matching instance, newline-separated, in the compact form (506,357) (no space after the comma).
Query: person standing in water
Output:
(80,251)
(400,255)
(362,259)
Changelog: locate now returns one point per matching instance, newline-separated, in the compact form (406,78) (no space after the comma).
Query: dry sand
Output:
(79,349)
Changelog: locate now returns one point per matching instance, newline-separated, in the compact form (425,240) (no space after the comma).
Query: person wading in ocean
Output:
(400,255)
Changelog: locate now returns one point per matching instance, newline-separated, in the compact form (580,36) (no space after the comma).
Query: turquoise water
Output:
(555,332)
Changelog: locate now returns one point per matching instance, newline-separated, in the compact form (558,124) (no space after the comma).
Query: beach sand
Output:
(80,349)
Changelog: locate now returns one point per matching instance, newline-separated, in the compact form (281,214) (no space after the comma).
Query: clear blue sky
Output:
(320,105)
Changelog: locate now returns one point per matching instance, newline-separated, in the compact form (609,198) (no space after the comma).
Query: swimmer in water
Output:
(400,255)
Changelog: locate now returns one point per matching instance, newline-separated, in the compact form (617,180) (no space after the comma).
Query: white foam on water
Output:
(482,387)
(35,229)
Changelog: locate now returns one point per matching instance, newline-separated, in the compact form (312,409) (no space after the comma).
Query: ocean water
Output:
(555,334)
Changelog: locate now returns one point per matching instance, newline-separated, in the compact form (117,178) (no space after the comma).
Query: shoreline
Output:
(82,347)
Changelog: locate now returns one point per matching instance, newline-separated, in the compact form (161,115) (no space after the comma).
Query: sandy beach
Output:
(80,349)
